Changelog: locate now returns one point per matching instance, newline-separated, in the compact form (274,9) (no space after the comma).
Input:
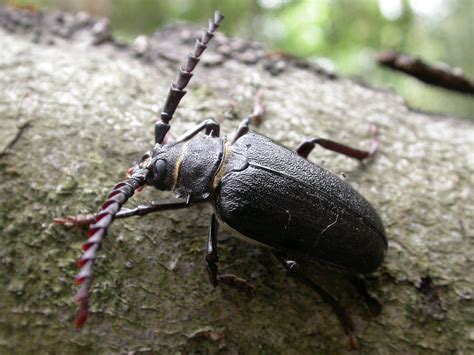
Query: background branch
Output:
(437,75)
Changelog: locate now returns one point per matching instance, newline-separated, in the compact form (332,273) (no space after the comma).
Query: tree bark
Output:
(78,108)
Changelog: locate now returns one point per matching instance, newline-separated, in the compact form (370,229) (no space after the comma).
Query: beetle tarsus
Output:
(258,113)
(82,220)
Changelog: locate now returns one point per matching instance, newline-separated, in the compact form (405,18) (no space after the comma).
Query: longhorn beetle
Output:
(265,192)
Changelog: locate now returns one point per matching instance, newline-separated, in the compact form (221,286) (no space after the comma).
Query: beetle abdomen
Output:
(284,201)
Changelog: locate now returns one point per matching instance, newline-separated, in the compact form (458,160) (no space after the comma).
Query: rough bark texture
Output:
(74,116)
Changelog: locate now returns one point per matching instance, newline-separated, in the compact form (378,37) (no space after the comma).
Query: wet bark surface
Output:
(77,109)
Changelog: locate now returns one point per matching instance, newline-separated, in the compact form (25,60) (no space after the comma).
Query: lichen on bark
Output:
(75,115)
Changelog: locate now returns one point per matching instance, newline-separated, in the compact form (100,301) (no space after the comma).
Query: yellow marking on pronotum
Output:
(178,164)
(220,171)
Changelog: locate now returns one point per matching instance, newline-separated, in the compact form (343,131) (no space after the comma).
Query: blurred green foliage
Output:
(343,35)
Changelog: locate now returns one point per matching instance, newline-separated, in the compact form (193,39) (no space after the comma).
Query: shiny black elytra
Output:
(268,194)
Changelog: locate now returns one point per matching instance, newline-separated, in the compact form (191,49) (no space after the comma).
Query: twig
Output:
(21,128)
(438,75)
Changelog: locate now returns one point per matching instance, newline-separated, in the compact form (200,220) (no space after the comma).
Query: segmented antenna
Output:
(97,231)
(177,91)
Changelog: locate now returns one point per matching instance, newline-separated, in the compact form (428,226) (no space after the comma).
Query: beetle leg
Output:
(142,210)
(85,220)
(308,145)
(212,129)
(293,268)
(243,128)
(375,308)
(80,220)
(255,117)
(212,258)
(211,255)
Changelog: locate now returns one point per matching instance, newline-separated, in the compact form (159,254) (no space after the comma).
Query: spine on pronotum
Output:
(124,190)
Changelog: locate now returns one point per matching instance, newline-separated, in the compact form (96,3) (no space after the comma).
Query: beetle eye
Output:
(145,156)
(159,171)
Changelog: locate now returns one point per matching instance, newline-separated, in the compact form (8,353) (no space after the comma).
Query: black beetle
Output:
(265,192)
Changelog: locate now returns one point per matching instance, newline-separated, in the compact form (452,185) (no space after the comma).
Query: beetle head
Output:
(162,163)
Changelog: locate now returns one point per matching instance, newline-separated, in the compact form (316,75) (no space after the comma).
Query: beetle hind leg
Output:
(308,145)
(212,258)
(346,322)
(374,306)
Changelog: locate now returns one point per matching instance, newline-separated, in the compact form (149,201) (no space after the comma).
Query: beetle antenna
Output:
(97,231)
(177,91)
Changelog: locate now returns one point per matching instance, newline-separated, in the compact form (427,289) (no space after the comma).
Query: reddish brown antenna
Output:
(97,231)
(124,190)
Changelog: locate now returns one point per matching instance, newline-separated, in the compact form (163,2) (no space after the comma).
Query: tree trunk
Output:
(78,108)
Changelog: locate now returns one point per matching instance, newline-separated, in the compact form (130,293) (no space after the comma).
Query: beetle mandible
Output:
(265,192)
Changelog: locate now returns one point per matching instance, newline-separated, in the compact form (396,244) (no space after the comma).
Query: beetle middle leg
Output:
(294,269)
(255,117)
(212,258)
(308,145)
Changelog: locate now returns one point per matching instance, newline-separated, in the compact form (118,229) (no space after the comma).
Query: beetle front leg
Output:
(211,255)
(212,129)
(308,145)
(141,210)
(293,268)
(212,258)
